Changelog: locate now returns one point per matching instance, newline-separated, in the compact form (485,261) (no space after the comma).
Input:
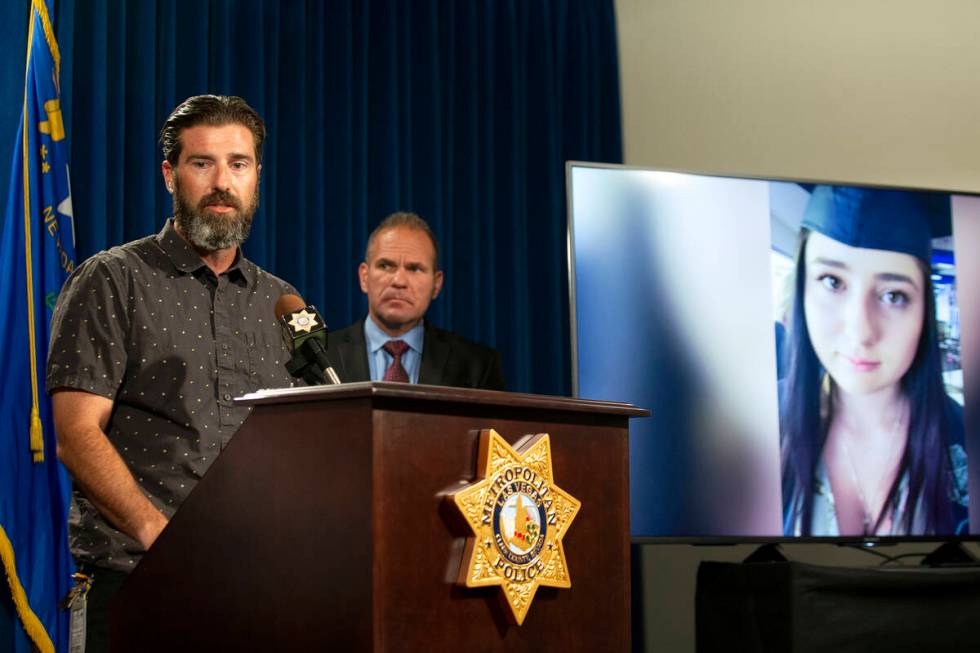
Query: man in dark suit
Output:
(400,276)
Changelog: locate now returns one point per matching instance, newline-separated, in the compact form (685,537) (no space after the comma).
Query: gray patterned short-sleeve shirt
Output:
(150,326)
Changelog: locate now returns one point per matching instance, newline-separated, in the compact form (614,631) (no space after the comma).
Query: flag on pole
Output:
(37,252)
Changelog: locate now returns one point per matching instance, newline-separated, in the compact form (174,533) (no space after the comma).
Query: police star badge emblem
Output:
(518,517)
(302,321)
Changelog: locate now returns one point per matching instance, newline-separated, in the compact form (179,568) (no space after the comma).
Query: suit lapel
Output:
(352,352)
(435,355)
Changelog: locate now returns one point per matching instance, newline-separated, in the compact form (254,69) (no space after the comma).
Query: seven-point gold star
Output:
(303,321)
(518,517)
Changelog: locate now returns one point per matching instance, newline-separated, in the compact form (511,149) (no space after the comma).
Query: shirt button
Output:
(224,345)
(227,396)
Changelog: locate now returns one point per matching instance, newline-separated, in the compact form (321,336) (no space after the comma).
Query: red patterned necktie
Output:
(395,371)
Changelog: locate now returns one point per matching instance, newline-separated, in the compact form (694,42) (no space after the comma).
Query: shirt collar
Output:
(376,338)
(187,260)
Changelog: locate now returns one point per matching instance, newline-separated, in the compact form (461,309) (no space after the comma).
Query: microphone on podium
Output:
(305,334)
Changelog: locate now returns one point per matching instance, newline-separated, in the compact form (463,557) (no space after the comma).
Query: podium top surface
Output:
(435,393)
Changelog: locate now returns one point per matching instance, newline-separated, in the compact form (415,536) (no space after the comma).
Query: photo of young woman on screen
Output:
(871,443)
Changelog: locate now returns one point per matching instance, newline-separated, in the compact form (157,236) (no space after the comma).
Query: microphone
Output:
(305,334)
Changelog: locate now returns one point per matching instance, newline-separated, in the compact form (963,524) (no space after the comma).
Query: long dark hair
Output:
(803,430)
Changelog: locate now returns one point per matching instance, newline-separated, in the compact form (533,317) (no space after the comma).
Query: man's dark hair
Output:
(213,110)
(404,219)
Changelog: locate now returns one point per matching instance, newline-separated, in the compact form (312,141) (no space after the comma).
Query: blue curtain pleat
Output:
(139,112)
(13,43)
(464,112)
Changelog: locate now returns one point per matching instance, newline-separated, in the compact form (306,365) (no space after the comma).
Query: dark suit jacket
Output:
(447,359)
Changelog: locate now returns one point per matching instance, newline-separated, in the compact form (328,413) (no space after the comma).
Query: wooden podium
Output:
(322,526)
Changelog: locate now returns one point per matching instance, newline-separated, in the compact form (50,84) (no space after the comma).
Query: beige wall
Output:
(884,91)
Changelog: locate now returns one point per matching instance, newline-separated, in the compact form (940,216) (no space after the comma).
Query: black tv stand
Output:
(950,554)
(767,553)
(801,608)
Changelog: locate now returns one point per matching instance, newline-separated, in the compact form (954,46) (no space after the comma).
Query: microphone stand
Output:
(310,363)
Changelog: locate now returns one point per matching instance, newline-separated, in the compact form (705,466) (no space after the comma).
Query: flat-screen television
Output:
(809,352)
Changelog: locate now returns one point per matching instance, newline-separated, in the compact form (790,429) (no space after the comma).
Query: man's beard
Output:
(208,231)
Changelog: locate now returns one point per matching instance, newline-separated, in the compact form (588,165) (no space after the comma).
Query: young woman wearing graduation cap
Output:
(871,443)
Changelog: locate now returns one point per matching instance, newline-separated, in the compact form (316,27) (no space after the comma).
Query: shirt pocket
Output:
(266,360)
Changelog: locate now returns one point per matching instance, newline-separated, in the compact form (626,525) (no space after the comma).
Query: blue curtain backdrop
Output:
(464,112)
